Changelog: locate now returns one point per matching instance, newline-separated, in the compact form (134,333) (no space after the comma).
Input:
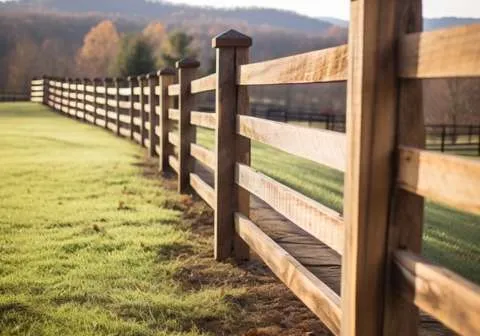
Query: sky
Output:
(340,8)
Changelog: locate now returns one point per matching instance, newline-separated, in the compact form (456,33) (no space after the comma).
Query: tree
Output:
(154,35)
(99,50)
(178,45)
(135,57)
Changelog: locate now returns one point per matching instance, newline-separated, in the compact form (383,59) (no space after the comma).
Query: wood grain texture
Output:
(448,179)
(439,292)
(204,84)
(203,119)
(173,162)
(321,146)
(317,296)
(174,139)
(164,104)
(203,155)
(371,129)
(405,227)
(321,222)
(202,189)
(458,47)
(173,89)
(173,114)
(328,65)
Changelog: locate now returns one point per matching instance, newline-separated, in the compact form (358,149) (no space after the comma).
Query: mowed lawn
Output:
(88,245)
(451,238)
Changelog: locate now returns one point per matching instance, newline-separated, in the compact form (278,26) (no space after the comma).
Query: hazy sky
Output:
(339,8)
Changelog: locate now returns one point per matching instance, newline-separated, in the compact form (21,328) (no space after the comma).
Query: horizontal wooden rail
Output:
(204,84)
(100,89)
(440,177)
(136,91)
(321,146)
(124,91)
(174,90)
(124,104)
(320,221)
(124,118)
(203,119)
(111,91)
(173,162)
(173,114)
(37,82)
(202,154)
(316,295)
(458,47)
(137,137)
(173,139)
(124,132)
(439,292)
(137,121)
(202,189)
(327,65)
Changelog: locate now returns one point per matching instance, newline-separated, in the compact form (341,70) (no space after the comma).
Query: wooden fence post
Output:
(153,117)
(141,85)
(106,81)
(131,99)
(166,78)
(45,90)
(371,142)
(478,140)
(66,95)
(84,100)
(117,80)
(444,133)
(231,51)
(95,105)
(187,69)
(406,209)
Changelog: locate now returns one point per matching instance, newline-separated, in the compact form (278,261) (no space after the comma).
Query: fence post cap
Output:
(168,71)
(140,77)
(151,75)
(187,63)
(231,38)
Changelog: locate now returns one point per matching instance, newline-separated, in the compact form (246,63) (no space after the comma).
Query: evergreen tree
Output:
(135,57)
(178,45)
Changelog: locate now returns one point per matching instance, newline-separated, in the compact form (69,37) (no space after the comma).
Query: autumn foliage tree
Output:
(99,50)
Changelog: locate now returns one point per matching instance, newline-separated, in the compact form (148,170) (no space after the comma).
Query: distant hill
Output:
(168,12)
(428,23)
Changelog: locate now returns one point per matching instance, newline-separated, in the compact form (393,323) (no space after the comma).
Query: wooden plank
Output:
(36,88)
(449,179)
(202,154)
(317,296)
(202,189)
(406,209)
(136,91)
(37,82)
(439,292)
(137,121)
(124,118)
(100,100)
(173,139)
(173,114)
(90,88)
(152,117)
(137,137)
(174,89)
(167,77)
(112,115)
(36,94)
(137,106)
(327,65)
(459,47)
(100,89)
(173,162)
(124,132)
(371,129)
(187,69)
(204,84)
(321,146)
(321,222)
(125,92)
(203,119)
(124,104)
(111,91)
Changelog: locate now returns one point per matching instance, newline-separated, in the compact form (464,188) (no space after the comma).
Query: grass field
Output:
(89,245)
(451,238)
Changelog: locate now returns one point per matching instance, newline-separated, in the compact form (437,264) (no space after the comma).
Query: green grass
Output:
(89,246)
(451,238)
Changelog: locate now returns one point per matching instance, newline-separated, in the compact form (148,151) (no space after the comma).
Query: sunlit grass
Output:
(88,245)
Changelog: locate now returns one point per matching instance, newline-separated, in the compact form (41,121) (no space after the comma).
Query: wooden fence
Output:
(384,279)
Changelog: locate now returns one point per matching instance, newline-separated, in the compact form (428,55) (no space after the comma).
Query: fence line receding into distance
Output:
(384,278)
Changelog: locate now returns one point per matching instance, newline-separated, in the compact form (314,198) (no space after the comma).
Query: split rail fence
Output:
(384,279)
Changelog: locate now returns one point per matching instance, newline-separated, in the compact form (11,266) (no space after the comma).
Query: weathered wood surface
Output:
(327,65)
(203,155)
(204,84)
(321,222)
(439,292)
(444,178)
(174,90)
(459,48)
(203,119)
(202,188)
(173,114)
(322,146)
